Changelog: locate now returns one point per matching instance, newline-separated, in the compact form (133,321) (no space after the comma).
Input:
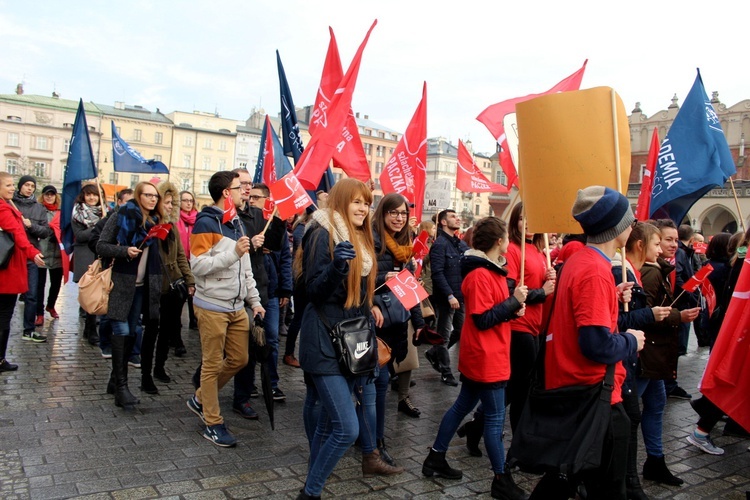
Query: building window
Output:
(222,164)
(381,135)
(222,145)
(380,151)
(12,118)
(113,177)
(394,137)
(134,180)
(378,167)
(640,174)
(11,166)
(204,187)
(187,161)
(66,146)
(242,149)
(186,184)
(137,134)
(158,138)
(390,151)
(118,130)
(500,178)
(368,132)
(188,140)
(157,157)
(368,148)
(377,182)
(42,143)
(12,139)
(207,143)
(476,209)
(40,169)
(206,163)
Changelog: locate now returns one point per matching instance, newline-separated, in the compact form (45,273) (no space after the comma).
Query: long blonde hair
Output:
(342,194)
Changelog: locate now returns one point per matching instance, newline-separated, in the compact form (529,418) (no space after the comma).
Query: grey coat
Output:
(37,214)
(50,247)
(83,257)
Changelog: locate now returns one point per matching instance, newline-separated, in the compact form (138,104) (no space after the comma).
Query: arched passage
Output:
(717,219)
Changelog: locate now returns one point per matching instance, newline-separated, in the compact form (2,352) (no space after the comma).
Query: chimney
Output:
(367,117)
(356,114)
(119,105)
(55,95)
(19,89)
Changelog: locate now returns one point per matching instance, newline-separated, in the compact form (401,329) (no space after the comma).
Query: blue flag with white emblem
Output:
(693,159)
(80,167)
(290,129)
(127,159)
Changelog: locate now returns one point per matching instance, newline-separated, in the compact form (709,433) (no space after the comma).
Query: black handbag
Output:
(179,289)
(7,246)
(393,312)
(355,344)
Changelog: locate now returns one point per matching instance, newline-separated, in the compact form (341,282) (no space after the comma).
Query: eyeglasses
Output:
(256,197)
(246,183)
(151,196)
(396,214)
(187,201)
(235,187)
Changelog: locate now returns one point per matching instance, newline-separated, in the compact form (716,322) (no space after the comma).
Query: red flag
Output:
(407,289)
(494,115)
(323,145)
(420,250)
(405,171)
(269,161)
(350,155)
(268,207)
(725,381)
(695,280)
(644,197)
(700,248)
(290,197)
(55,225)
(159,231)
(469,178)
(230,211)
(707,289)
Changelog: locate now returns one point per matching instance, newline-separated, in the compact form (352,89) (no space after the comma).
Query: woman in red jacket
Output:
(484,359)
(13,278)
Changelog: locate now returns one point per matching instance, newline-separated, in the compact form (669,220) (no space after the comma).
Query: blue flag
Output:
(693,158)
(80,167)
(290,129)
(127,159)
(270,144)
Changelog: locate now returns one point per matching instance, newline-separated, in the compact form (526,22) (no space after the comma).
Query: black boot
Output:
(473,431)
(384,455)
(436,465)
(120,354)
(147,384)
(89,330)
(111,386)
(655,469)
(304,496)
(5,365)
(162,353)
(504,487)
(634,489)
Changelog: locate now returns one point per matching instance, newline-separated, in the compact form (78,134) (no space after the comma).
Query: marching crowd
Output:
(519,313)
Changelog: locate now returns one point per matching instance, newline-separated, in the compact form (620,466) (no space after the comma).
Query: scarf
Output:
(340,233)
(131,232)
(87,215)
(402,253)
(188,218)
(52,207)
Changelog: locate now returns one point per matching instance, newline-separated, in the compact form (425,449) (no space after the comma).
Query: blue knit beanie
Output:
(603,213)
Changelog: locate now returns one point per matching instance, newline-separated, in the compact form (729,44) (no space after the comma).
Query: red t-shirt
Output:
(533,273)
(484,354)
(586,297)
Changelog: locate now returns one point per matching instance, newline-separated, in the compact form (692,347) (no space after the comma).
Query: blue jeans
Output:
(336,431)
(105,332)
(493,403)
(367,413)
(129,327)
(654,399)
(29,308)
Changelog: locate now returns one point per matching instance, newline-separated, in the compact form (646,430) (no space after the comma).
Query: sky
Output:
(220,55)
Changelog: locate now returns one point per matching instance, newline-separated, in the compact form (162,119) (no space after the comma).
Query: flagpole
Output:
(523,246)
(737,202)
(546,248)
(618,179)
(270,219)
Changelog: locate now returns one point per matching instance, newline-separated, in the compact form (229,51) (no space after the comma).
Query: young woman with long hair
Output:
(137,277)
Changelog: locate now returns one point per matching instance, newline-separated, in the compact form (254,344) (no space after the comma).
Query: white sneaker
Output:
(705,444)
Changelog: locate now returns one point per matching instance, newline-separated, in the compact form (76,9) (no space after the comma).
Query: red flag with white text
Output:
(407,289)
(230,211)
(493,118)
(405,171)
(644,197)
(468,176)
(269,206)
(324,144)
(725,381)
(290,197)
(55,225)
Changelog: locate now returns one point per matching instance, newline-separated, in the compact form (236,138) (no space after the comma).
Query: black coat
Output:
(445,267)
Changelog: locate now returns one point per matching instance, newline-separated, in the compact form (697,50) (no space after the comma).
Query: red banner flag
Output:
(695,280)
(708,292)
(405,171)
(159,231)
(55,225)
(290,197)
(420,251)
(407,289)
(230,211)
(350,155)
(700,248)
(268,207)
(644,197)
(468,176)
(494,115)
(326,142)
(725,381)
(269,160)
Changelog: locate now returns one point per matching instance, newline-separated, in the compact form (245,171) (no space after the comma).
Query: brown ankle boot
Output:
(372,465)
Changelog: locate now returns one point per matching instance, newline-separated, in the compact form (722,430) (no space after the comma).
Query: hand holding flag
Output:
(230,211)
(696,280)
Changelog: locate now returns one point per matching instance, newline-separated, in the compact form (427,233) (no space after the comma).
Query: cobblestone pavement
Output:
(62,437)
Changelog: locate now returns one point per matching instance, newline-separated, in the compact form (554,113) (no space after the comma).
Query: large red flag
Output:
(55,225)
(494,115)
(644,197)
(469,178)
(269,160)
(350,156)
(326,142)
(725,381)
(405,171)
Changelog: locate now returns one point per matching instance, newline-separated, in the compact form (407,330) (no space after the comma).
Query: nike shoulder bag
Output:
(355,344)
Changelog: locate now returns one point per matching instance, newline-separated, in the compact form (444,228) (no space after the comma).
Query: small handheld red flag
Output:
(230,211)
(290,197)
(407,289)
(268,208)
(695,280)
(64,257)
(159,231)
(700,248)
(708,292)
(420,250)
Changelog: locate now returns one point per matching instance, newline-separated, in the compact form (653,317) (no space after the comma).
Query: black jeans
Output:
(159,332)
(523,351)
(55,280)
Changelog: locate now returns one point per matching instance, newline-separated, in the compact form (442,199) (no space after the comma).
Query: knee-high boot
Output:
(121,348)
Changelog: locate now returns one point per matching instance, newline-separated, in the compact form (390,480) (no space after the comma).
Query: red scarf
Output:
(52,207)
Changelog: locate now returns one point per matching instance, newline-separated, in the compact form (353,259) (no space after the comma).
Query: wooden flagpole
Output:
(737,202)
(523,246)
(618,179)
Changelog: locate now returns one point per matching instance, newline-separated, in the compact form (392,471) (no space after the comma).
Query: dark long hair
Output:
(391,201)
(515,235)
